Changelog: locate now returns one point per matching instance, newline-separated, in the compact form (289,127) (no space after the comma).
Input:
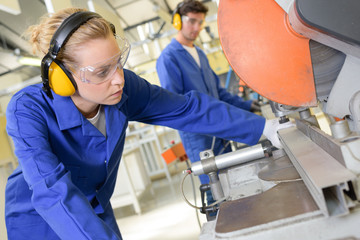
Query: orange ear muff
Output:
(177,21)
(61,80)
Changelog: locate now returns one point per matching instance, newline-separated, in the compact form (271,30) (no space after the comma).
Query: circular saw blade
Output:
(327,63)
(265,52)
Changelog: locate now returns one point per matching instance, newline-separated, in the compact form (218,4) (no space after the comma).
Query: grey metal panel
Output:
(329,182)
(283,201)
(323,140)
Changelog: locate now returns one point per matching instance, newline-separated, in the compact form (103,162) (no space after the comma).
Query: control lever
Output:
(207,209)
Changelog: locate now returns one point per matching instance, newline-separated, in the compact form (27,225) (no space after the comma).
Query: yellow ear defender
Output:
(60,79)
(54,74)
(176,17)
(177,21)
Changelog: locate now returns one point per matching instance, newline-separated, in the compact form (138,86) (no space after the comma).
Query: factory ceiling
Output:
(144,22)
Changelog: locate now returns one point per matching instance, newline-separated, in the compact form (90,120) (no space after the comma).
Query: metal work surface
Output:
(282,201)
(281,170)
(329,182)
(312,226)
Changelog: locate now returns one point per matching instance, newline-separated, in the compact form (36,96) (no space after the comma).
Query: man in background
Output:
(183,67)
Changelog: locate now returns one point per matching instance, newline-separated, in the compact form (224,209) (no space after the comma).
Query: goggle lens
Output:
(104,70)
(193,21)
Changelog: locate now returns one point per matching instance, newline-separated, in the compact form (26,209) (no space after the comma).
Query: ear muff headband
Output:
(176,17)
(53,73)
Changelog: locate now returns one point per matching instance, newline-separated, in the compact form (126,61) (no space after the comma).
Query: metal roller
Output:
(209,163)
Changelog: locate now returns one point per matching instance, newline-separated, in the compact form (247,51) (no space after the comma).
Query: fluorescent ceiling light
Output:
(12,6)
(29,61)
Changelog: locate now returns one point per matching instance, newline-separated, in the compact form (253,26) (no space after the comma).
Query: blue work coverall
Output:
(68,169)
(178,72)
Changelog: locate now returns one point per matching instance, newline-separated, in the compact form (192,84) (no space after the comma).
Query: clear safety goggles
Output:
(104,70)
(193,21)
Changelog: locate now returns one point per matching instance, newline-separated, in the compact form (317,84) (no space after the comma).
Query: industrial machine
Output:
(299,54)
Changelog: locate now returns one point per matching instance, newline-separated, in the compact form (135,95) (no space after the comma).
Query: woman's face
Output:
(100,53)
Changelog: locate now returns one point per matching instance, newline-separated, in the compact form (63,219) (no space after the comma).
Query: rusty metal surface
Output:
(285,200)
(279,170)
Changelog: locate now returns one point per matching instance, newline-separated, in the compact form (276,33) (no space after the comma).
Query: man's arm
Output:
(235,100)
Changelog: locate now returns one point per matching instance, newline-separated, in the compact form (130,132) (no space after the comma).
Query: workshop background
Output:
(301,57)
(147,196)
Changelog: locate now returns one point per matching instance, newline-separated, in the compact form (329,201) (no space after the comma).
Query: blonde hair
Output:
(39,36)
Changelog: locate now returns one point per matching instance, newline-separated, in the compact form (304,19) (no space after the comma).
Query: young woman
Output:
(69,133)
